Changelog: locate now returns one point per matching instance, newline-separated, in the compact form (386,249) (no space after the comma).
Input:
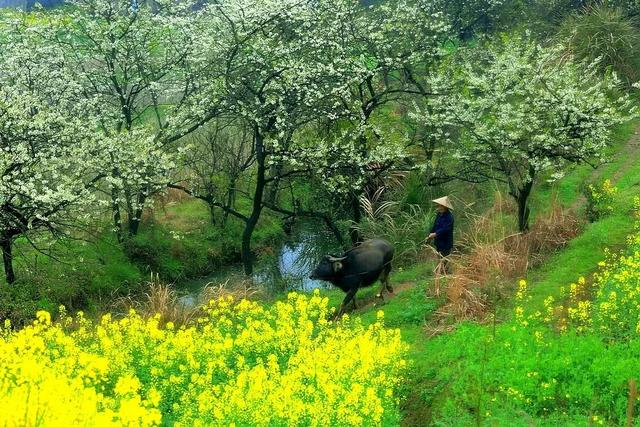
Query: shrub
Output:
(161,300)
(176,255)
(599,199)
(20,301)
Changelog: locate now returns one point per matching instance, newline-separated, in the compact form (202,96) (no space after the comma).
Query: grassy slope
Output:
(410,309)
(583,253)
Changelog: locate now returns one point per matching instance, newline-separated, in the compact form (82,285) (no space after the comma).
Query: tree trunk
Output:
(252,221)
(523,214)
(136,218)
(272,196)
(231,199)
(7,258)
(134,223)
(355,235)
(212,212)
(117,218)
(522,198)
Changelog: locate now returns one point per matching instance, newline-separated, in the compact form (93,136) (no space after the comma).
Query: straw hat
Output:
(444,201)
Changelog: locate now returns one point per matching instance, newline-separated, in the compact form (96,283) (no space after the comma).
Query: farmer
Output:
(442,230)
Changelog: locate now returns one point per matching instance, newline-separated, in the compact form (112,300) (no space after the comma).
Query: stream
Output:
(287,269)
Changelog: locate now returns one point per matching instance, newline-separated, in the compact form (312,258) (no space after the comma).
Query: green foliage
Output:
(473,18)
(83,275)
(268,232)
(19,303)
(173,256)
(415,192)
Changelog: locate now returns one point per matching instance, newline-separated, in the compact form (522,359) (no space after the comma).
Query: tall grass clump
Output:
(404,227)
(162,301)
(599,32)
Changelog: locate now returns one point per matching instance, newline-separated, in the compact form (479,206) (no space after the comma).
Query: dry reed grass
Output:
(492,256)
(162,299)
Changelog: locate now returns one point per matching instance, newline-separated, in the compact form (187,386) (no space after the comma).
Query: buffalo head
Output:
(327,268)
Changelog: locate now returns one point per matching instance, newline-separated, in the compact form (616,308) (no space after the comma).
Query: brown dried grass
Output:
(492,256)
(162,299)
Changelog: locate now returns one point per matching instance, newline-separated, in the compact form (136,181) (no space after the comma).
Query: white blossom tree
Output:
(388,47)
(517,112)
(144,62)
(286,67)
(49,165)
(278,72)
(139,166)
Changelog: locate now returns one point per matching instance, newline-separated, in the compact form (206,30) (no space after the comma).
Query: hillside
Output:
(441,391)
(529,360)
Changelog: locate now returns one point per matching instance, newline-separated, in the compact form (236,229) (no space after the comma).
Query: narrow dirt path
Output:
(630,152)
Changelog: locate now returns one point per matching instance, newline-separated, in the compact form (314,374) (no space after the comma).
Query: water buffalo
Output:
(357,268)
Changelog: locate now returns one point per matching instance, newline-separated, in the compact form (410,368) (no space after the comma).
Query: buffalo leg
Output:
(385,278)
(382,287)
(350,297)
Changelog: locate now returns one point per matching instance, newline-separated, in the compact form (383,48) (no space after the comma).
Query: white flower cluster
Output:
(524,111)
(48,161)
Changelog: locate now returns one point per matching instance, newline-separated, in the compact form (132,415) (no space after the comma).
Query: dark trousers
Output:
(444,252)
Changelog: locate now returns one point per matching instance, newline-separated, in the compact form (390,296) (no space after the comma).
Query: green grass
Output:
(397,308)
(582,254)
(428,399)
(178,242)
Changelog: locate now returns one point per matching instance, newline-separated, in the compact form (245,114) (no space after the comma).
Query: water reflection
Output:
(287,269)
(295,258)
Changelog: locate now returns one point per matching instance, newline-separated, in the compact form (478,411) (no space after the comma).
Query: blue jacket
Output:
(443,227)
